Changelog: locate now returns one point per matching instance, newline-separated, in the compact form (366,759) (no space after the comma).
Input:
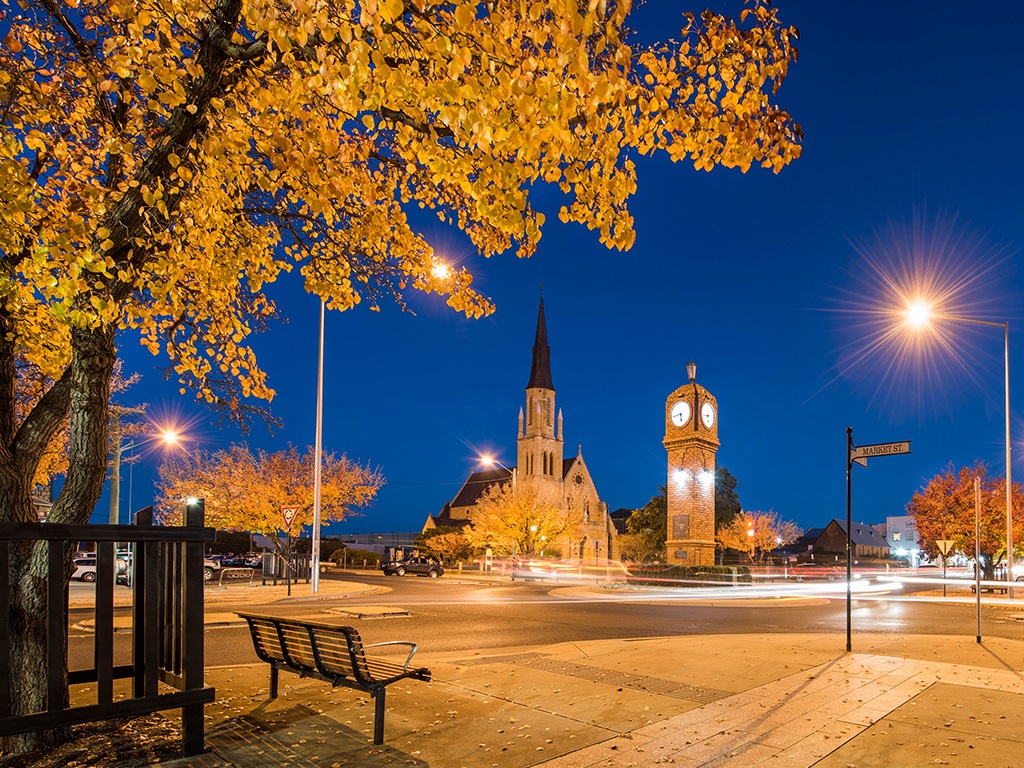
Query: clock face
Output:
(680,413)
(707,415)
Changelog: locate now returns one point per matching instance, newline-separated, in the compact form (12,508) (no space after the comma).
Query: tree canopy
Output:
(521,517)
(647,529)
(161,164)
(446,543)
(757,533)
(727,501)
(944,508)
(245,491)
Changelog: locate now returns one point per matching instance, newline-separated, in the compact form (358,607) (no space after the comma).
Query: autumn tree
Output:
(245,491)
(447,543)
(519,516)
(944,508)
(757,533)
(161,164)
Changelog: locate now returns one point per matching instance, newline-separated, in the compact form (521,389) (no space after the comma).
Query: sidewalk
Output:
(726,700)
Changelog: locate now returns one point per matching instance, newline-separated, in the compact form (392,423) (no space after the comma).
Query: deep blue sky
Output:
(912,117)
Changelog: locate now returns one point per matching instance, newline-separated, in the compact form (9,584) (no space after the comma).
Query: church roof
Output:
(444,519)
(567,466)
(540,371)
(478,483)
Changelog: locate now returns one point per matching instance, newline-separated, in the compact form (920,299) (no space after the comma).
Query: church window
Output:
(586,510)
(529,411)
(547,411)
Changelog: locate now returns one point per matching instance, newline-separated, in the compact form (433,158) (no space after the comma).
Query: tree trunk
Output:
(91,366)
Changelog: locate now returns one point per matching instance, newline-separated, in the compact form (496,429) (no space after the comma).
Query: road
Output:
(449,615)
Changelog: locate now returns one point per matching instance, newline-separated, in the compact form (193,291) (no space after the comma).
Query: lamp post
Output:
(314,581)
(167,437)
(918,315)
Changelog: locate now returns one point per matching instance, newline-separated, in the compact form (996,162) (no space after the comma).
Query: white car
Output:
(85,569)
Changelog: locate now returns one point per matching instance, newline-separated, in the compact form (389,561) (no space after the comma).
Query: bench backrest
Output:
(329,650)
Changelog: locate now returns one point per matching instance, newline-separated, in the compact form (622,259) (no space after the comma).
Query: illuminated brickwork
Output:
(691,440)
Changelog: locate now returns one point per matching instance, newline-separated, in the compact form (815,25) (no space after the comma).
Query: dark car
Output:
(420,566)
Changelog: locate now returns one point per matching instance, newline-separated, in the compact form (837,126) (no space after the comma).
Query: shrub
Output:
(356,557)
(688,575)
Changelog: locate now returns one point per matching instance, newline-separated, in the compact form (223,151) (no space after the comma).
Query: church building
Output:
(541,461)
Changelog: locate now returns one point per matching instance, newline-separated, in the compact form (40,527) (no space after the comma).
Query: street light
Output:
(314,580)
(166,436)
(918,314)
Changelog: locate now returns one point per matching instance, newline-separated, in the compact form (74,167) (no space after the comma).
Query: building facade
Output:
(901,533)
(541,461)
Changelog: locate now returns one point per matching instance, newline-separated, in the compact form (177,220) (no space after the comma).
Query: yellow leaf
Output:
(390,9)
(464,15)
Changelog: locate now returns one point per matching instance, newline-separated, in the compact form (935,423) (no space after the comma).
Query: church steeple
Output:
(540,433)
(540,371)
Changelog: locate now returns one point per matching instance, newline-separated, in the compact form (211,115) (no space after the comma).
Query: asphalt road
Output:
(448,615)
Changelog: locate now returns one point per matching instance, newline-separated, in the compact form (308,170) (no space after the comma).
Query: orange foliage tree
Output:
(245,491)
(945,509)
(757,533)
(162,162)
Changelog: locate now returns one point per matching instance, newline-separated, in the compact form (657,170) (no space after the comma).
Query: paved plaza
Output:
(793,700)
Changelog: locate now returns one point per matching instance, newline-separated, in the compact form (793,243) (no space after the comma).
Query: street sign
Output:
(289,514)
(862,453)
(944,545)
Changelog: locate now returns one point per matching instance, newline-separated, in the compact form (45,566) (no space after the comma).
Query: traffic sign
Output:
(862,453)
(944,545)
(289,514)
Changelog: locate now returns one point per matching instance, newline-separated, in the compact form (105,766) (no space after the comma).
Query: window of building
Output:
(910,535)
(895,535)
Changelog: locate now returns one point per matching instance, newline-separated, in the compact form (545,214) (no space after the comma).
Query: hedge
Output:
(688,575)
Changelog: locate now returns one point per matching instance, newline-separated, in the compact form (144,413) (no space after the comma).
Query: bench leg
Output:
(273,681)
(378,715)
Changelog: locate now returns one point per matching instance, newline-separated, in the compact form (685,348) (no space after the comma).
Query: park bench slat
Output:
(329,652)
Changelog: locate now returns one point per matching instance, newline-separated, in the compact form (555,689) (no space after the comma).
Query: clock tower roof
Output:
(540,371)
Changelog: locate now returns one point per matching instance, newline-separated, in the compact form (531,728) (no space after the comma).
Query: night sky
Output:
(772,284)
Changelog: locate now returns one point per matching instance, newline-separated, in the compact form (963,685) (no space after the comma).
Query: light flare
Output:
(911,281)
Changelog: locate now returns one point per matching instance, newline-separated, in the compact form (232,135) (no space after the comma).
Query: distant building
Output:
(901,534)
(540,448)
(619,518)
(831,542)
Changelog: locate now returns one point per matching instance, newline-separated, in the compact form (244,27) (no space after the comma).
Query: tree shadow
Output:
(298,736)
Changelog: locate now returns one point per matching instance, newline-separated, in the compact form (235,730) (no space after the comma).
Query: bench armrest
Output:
(412,649)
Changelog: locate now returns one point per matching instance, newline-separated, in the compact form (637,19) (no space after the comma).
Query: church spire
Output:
(540,371)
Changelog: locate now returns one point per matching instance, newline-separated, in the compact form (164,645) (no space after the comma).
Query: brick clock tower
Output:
(691,439)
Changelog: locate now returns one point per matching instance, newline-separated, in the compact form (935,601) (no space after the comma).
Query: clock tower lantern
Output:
(691,440)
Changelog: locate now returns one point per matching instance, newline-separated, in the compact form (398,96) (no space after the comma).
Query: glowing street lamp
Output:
(918,314)
(166,436)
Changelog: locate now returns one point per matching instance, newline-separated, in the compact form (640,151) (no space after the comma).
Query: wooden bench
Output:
(332,653)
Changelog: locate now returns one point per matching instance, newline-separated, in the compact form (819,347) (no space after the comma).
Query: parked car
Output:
(85,569)
(419,566)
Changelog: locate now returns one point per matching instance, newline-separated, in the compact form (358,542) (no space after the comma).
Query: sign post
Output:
(288,513)
(860,455)
(944,546)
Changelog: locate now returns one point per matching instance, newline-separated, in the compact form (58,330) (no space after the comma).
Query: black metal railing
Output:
(167,624)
